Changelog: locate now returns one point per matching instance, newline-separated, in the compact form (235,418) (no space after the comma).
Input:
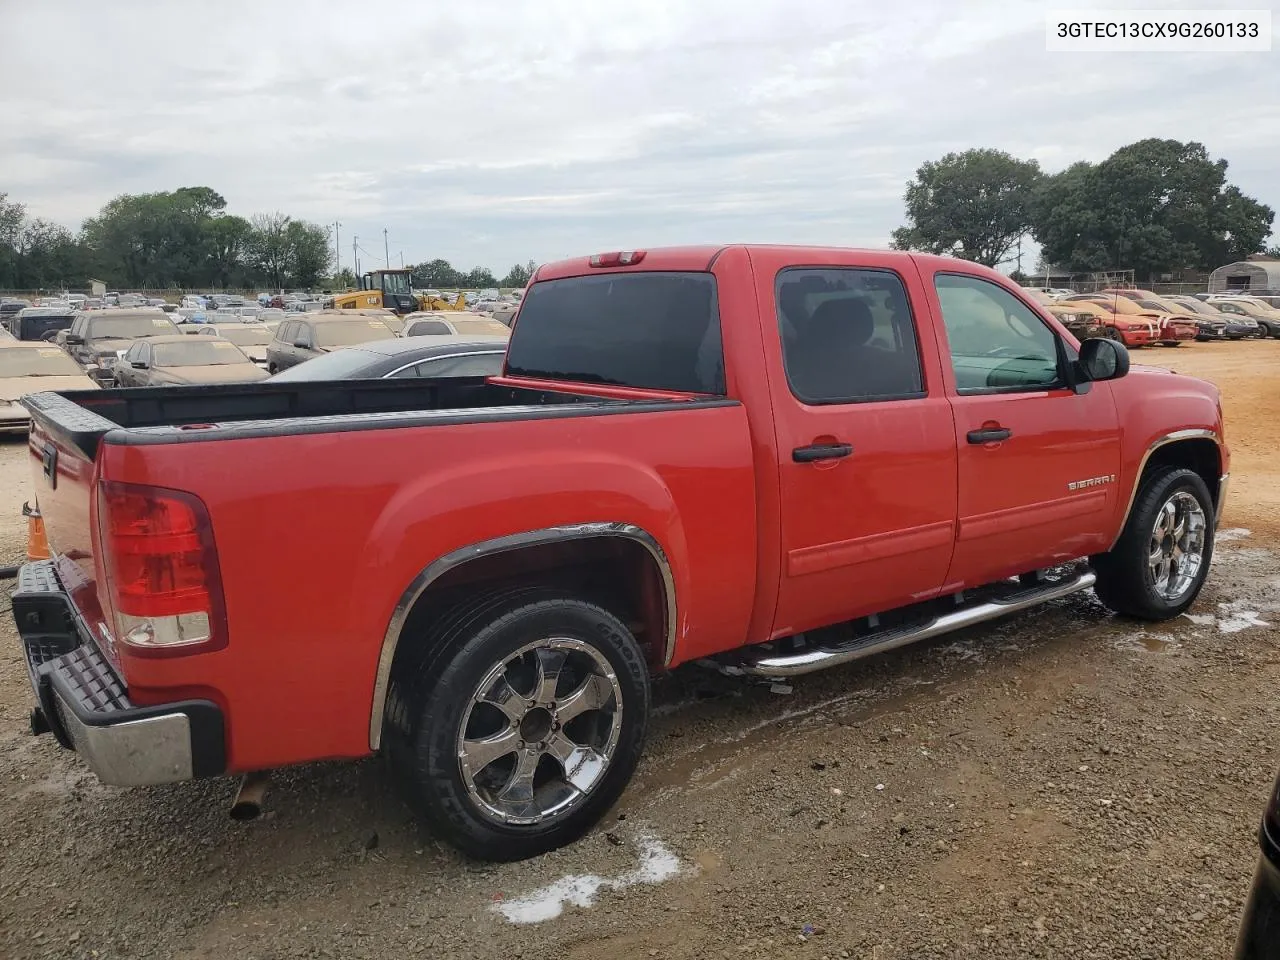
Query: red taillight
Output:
(161,569)
(624,258)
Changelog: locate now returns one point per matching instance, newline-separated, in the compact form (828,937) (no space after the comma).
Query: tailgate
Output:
(63,445)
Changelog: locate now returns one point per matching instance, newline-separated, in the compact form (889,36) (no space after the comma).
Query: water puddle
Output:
(1143,642)
(1233,535)
(657,864)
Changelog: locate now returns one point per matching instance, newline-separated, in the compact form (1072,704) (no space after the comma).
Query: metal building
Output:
(1256,273)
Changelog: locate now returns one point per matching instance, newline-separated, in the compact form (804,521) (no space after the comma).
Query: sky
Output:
(493,132)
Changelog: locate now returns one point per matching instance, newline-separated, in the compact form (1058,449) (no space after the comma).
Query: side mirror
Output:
(139,364)
(1103,359)
(302,345)
(73,338)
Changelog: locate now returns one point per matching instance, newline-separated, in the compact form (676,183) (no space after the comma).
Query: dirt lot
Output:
(1063,785)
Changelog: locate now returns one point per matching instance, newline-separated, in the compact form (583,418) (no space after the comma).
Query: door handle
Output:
(821,451)
(990,435)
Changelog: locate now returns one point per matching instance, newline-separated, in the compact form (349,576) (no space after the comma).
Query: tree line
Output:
(1155,207)
(185,239)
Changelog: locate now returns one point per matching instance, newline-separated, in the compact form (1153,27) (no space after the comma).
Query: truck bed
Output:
(234,411)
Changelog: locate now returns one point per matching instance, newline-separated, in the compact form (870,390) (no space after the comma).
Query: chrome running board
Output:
(821,657)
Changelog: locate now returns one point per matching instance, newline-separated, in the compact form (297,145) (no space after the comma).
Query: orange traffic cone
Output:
(37,542)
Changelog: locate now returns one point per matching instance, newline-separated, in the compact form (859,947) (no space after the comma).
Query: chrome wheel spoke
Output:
(517,792)
(582,766)
(502,695)
(478,754)
(549,665)
(592,695)
(1176,553)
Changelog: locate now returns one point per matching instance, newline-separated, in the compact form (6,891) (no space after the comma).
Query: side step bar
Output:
(819,658)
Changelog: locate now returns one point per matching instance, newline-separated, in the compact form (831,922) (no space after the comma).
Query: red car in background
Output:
(1133,329)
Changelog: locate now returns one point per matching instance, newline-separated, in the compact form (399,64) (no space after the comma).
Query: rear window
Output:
(659,331)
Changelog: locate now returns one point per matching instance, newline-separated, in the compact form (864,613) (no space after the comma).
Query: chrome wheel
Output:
(540,731)
(1177,546)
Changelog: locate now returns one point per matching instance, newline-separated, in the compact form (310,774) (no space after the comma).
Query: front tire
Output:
(521,741)
(1158,566)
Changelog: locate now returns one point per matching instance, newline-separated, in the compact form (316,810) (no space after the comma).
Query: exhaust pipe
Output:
(248,802)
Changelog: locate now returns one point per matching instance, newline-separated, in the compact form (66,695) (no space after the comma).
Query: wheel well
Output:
(1200,455)
(616,573)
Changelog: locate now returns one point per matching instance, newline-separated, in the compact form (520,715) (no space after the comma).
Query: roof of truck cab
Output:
(699,258)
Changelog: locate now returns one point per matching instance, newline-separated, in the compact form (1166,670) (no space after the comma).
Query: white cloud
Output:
(492,132)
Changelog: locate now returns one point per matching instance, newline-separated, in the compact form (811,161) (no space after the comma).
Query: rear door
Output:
(864,433)
(1038,460)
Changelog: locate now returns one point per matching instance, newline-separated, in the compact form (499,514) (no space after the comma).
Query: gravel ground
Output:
(1064,784)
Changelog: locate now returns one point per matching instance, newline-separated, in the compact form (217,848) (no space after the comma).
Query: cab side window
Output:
(997,342)
(848,336)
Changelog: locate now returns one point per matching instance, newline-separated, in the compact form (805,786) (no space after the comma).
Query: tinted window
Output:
(996,341)
(422,328)
(654,330)
(847,335)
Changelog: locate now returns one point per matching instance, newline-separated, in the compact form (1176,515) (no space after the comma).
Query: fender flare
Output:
(516,541)
(1164,441)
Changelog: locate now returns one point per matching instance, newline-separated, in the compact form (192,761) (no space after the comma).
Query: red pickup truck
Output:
(768,459)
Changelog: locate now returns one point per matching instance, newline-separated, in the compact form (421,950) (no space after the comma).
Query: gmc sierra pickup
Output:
(768,459)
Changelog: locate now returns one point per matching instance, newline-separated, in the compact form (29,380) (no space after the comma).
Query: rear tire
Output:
(1157,568)
(526,727)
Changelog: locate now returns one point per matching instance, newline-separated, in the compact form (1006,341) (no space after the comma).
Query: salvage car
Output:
(1083,322)
(1259,936)
(40,323)
(96,339)
(315,334)
(453,324)
(1211,323)
(252,338)
(1265,317)
(162,361)
(1176,325)
(767,459)
(1121,323)
(443,356)
(33,368)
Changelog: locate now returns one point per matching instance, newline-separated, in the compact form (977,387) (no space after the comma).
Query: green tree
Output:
(973,205)
(12,217)
(269,246)
(436,274)
(227,241)
(310,253)
(1153,206)
(478,277)
(518,276)
(344,279)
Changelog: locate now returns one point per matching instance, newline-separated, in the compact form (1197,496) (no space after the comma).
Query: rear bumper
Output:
(82,701)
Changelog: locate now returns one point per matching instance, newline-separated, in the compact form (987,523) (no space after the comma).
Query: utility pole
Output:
(355,257)
(337,250)
(401,259)
(1046,283)
(386,248)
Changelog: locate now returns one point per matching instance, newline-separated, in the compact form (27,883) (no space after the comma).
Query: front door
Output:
(1038,461)
(864,433)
